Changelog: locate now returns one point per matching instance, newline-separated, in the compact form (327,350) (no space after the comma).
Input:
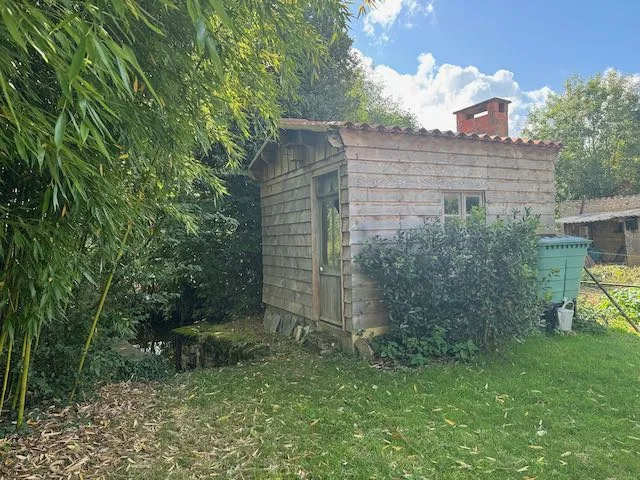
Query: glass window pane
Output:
(331,232)
(471,201)
(328,184)
(452,204)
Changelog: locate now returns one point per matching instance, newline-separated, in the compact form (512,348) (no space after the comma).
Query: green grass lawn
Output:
(552,407)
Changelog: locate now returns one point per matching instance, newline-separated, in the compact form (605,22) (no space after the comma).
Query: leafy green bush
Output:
(416,352)
(55,357)
(455,289)
(590,319)
(629,300)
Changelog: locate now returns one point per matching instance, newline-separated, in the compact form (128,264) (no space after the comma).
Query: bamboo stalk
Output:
(96,317)
(3,338)
(24,378)
(5,379)
(13,396)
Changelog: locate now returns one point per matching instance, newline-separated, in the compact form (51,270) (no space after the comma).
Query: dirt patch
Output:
(100,439)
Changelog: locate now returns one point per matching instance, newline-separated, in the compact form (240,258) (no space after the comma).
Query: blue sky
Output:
(439,55)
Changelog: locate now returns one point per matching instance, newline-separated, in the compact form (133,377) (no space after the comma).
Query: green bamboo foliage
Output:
(105,108)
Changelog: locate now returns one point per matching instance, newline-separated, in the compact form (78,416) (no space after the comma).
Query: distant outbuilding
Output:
(610,222)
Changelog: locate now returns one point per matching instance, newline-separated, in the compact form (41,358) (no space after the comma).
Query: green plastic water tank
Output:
(560,262)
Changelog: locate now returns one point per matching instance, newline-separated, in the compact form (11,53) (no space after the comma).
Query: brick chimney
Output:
(490,117)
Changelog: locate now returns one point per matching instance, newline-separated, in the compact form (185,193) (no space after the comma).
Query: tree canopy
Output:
(598,121)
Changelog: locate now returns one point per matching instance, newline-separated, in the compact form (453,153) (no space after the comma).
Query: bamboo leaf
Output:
(7,97)
(46,200)
(221,12)
(78,59)
(212,49)
(20,147)
(124,75)
(61,125)
(12,27)
(84,132)
(40,154)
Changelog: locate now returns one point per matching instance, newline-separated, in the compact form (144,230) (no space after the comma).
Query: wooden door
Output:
(330,247)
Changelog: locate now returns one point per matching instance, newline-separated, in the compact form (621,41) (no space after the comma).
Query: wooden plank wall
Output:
(397,182)
(288,275)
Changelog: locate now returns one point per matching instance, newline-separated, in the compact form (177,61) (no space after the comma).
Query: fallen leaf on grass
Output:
(450,422)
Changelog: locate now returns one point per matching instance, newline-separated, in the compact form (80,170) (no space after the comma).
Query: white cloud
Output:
(435,91)
(385,13)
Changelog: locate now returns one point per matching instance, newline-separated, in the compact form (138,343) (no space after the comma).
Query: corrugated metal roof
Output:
(320,126)
(600,217)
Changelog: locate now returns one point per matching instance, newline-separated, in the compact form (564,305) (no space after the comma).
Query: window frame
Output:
(321,198)
(462,203)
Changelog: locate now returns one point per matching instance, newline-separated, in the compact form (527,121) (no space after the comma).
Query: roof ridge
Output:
(303,124)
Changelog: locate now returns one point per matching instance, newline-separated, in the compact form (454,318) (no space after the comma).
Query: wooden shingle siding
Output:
(286,228)
(397,182)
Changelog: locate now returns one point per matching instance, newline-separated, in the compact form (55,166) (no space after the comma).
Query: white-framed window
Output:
(460,204)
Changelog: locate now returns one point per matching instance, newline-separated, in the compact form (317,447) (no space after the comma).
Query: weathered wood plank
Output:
(444,170)
(287,218)
(402,142)
(287,240)
(284,196)
(362,293)
(519,197)
(293,296)
(506,207)
(300,252)
(399,209)
(286,207)
(393,195)
(287,305)
(373,319)
(288,272)
(330,299)
(462,159)
(296,178)
(384,222)
(446,183)
(303,228)
(364,307)
(361,237)
(287,283)
(287,261)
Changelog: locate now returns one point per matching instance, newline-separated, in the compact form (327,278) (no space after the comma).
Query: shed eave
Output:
(599,217)
(258,156)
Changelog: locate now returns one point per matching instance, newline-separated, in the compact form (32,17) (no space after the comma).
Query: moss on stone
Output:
(204,331)
(205,344)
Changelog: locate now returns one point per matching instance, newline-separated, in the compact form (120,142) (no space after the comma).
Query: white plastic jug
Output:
(565,316)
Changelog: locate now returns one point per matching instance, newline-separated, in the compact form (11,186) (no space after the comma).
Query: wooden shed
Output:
(327,187)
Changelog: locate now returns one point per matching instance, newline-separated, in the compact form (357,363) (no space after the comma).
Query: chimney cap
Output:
(482,106)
